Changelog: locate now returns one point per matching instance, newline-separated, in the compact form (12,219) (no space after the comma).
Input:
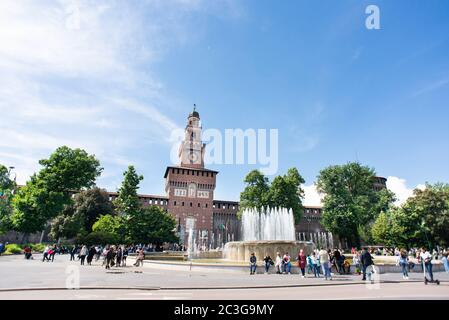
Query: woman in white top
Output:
(83,254)
(278,264)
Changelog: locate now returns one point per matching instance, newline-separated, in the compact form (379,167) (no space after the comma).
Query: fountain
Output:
(266,233)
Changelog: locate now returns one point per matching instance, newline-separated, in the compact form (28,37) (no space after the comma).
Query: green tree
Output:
(90,204)
(127,202)
(151,225)
(111,226)
(285,191)
(255,194)
(67,225)
(350,200)
(427,215)
(46,193)
(7,187)
(381,230)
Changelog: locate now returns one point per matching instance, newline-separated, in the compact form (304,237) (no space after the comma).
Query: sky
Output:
(116,78)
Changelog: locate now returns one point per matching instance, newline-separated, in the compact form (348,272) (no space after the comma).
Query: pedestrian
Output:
(125,255)
(90,255)
(119,257)
(45,254)
(2,248)
(278,264)
(287,263)
(426,257)
(83,254)
(367,261)
(252,263)
(337,260)
(325,263)
(302,259)
(356,262)
(52,253)
(268,262)
(445,261)
(309,264)
(140,257)
(403,262)
(314,265)
(72,253)
(109,257)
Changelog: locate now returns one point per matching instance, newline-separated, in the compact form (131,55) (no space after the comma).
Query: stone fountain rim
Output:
(269,242)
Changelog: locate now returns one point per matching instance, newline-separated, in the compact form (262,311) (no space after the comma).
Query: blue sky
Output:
(117,77)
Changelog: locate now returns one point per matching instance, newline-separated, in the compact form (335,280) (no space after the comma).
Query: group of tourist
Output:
(321,262)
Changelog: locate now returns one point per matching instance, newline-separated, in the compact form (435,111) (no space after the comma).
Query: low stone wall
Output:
(241,268)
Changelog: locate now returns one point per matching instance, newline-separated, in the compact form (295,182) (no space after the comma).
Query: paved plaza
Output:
(34,279)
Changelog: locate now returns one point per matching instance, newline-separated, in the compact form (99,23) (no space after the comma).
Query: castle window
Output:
(199,205)
(174,203)
(183,204)
(202,173)
(191,204)
(206,205)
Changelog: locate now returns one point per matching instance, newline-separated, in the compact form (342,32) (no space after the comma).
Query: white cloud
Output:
(395,184)
(311,196)
(79,73)
(400,188)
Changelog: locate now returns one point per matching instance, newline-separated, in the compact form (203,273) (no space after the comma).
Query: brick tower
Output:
(190,187)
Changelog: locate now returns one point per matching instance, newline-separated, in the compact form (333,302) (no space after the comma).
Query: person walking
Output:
(252,263)
(445,261)
(2,248)
(91,255)
(403,262)
(72,253)
(323,255)
(268,262)
(109,257)
(45,254)
(140,257)
(52,252)
(367,260)
(287,263)
(356,262)
(278,264)
(337,260)
(125,255)
(309,264)
(119,257)
(83,254)
(302,261)
(314,265)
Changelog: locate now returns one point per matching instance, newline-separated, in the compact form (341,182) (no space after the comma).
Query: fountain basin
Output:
(241,250)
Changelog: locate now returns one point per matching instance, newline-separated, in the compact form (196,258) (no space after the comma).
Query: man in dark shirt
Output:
(367,260)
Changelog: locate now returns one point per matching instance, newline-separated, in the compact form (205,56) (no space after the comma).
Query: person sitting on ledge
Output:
(252,263)
(268,262)
(287,263)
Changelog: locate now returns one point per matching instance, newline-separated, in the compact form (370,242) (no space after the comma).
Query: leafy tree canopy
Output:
(127,202)
(285,191)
